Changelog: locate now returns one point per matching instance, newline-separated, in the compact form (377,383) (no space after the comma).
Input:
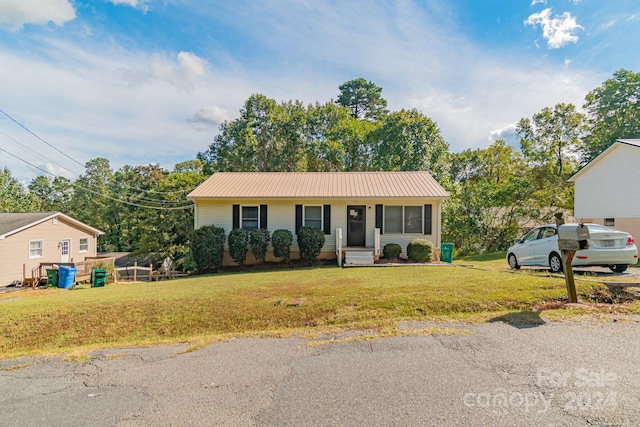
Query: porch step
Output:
(358,258)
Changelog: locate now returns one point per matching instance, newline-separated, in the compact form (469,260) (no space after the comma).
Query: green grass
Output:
(206,308)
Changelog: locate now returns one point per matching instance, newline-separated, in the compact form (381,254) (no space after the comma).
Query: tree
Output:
(13,196)
(613,112)
(91,204)
(53,194)
(551,139)
(407,140)
(363,98)
(248,143)
(490,197)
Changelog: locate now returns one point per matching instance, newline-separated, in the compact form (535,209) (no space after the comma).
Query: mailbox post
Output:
(571,238)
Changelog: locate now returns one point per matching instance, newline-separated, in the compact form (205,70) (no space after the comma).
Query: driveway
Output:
(551,374)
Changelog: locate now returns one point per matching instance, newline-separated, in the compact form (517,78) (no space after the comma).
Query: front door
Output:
(65,250)
(356,226)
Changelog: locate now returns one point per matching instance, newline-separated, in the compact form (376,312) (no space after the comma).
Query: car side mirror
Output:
(517,241)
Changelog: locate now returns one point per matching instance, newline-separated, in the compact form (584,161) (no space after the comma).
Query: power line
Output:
(97,193)
(28,130)
(74,160)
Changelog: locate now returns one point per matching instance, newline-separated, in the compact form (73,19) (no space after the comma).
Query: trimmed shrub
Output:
(420,250)
(239,245)
(207,247)
(281,241)
(391,251)
(310,241)
(258,242)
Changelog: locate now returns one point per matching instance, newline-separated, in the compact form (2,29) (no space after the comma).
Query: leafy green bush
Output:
(258,242)
(420,250)
(207,247)
(239,245)
(310,241)
(281,241)
(391,250)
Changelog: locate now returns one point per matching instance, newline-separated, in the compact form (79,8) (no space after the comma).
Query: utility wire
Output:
(28,130)
(97,193)
(74,160)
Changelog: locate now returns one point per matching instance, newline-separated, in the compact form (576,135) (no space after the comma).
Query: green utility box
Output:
(99,278)
(52,277)
(446,252)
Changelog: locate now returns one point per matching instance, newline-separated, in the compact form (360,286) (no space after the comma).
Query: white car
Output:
(607,247)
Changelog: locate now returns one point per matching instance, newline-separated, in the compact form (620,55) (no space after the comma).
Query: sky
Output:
(149,81)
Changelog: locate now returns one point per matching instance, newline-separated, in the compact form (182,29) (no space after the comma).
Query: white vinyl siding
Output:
(282,215)
(607,188)
(36,249)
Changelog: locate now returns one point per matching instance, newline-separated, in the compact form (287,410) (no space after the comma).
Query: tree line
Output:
(495,191)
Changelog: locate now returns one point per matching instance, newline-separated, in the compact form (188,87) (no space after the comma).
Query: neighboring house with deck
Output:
(29,239)
(607,189)
(359,212)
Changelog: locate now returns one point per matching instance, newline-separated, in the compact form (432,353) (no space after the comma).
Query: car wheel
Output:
(618,268)
(555,263)
(513,262)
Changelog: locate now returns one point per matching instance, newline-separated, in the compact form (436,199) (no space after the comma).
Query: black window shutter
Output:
(427,218)
(263,216)
(236,216)
(298,217)
(327,219)
(379,217)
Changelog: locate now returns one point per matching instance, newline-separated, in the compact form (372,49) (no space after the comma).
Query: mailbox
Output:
(573,237)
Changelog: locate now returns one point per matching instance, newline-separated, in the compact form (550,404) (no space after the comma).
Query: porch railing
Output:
(339,246)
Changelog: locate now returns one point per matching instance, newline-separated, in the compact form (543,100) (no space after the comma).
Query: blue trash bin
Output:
(66,276)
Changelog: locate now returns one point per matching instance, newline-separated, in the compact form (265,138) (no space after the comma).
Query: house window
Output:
(84,244)
(403,219)
(610,222)
(313,216)
(393,219)
(250,218)
(413,219)
(36,248)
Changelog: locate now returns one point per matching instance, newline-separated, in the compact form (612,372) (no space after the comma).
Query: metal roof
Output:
(232,185)
(14,222)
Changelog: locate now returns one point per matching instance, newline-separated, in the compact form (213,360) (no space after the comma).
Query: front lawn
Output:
(284,302)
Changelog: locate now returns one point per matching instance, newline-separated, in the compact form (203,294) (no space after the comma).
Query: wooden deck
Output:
(83,273)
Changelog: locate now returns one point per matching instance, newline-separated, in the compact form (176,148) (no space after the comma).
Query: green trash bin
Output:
(446,252)
(52,277)
(99,278)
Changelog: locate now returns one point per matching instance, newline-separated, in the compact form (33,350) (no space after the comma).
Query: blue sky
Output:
(149,81)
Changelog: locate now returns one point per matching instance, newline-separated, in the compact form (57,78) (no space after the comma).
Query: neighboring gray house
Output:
(607,190)
(28,239)
(358,211)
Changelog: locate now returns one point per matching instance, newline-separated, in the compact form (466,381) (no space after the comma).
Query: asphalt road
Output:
(554,374)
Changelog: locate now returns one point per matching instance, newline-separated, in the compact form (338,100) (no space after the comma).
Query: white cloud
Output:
(137,107)
(212,116)
(506,133)
(182,72)
(557,30)
(535,2)
(136,4)
(14,14)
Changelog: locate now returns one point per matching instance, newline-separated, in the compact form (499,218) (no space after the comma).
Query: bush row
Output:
(207,245)
(418,250)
